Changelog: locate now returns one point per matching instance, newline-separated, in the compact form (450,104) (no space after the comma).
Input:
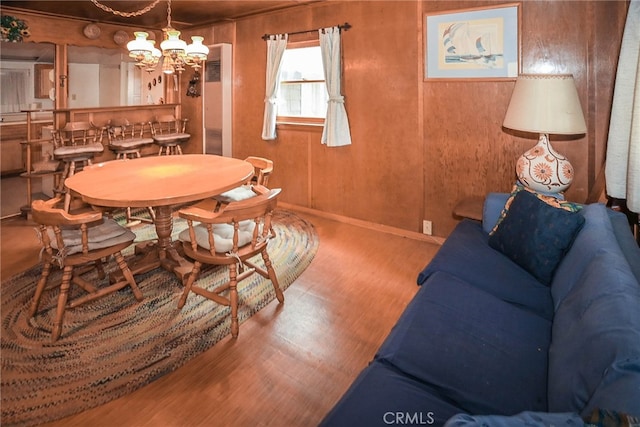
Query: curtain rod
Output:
(343,27)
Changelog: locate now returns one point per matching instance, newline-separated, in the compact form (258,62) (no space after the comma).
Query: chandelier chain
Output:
(126,14)
(168,13)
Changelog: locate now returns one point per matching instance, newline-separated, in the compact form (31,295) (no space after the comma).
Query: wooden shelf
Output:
(469,207)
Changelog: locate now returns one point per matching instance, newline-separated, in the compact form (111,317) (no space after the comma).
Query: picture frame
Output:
(477,44)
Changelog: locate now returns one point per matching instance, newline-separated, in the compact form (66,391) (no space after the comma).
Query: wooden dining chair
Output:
(262,170)
(230,237)
(262,167)
(127,140)
(76,144)
(78,244)
(169,132)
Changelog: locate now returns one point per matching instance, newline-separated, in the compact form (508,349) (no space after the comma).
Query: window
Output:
(303,94)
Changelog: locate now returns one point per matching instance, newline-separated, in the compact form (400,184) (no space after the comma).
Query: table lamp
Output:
(545,104)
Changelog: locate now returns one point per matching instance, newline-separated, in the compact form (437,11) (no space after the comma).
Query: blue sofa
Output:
(489,340)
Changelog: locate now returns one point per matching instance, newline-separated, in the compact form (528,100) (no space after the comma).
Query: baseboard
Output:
(365,224)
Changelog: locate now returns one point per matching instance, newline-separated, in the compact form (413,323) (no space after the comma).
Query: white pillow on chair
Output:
(222,235)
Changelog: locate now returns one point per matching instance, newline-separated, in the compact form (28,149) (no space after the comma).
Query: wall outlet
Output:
(426,227)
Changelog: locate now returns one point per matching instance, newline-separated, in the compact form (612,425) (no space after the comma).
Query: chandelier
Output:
(174,52)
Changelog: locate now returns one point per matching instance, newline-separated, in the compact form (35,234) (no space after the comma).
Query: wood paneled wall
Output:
(418,146)
(379,178)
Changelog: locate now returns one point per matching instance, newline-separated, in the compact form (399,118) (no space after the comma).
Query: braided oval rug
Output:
(115,345)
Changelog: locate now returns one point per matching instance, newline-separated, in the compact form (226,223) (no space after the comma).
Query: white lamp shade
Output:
(173,44)
(197,49)
(545,103)
(139,46)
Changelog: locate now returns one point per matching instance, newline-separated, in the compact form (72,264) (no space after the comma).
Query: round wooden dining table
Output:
(160,182)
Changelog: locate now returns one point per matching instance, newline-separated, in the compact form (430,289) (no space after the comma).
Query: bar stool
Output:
(75,145)
(127,139)
(169,132)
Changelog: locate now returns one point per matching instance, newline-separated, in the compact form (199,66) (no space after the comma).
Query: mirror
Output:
(24,67)
(101,77)
(98,77)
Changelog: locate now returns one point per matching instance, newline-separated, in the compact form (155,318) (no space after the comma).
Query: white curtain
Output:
(622,168)
(276,45)
(336,127)
(13,96)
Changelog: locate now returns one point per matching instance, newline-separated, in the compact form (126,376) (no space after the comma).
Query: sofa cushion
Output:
(484,355)
(595,353)
(596,233)
(383,396)
(536,235)
(488,270)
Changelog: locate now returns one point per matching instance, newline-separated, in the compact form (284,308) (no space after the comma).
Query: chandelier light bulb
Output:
(167,65)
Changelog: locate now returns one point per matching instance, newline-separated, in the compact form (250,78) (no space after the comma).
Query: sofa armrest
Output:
(625,239)
(493,204)
(524,419)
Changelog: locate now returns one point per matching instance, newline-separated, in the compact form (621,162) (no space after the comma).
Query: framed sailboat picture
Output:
(480,43)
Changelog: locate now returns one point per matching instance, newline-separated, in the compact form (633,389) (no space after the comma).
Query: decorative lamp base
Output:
(542,169)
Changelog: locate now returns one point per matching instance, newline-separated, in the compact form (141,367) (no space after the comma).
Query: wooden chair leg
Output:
(62,303)
(272,276)
(233,299)
(67,194)
(190,279)
(46,270)
(65,174)
(126,272)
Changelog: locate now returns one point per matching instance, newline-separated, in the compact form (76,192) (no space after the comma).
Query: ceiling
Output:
(184,13)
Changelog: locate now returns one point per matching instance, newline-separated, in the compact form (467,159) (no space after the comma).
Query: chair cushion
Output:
(128,144)
(73,150)
(107,234)
(223,235)
(535,235)
(237,194)
(171,138)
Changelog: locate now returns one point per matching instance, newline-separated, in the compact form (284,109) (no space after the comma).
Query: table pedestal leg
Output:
(163,253)
(169,257)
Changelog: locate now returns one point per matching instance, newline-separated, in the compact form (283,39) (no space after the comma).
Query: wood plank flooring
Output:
(291,362)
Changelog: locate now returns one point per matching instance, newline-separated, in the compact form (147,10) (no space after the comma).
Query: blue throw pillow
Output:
(535,235)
